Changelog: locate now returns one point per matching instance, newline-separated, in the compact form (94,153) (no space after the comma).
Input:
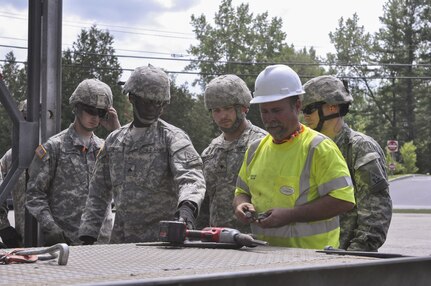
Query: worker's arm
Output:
(323,208)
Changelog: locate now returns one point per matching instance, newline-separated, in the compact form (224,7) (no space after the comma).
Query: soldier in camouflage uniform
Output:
(148,166)
(60,172)
(325,103)
(227,97)
(10,235)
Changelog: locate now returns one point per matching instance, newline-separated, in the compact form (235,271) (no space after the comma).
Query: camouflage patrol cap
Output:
(325,88)
(149,83)
(226,90)
(22,106)
(92,92)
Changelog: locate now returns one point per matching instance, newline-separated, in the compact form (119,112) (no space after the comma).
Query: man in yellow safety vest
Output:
(295,177)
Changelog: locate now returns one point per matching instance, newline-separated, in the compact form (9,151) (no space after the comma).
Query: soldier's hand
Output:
(87,240)
(110,122)
(11,238)
(186,213)
(55,235)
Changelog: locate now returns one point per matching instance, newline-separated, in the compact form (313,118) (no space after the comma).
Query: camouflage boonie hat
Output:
(92,92)
(22,106)
(226,90)
(149,83)
(325,88)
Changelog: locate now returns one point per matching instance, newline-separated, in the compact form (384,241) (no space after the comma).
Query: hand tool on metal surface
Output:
(22,255)
(176,232)
(331,250)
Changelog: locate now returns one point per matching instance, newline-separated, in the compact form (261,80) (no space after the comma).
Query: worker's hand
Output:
(245,212)
(11,238)
(186,213)
(87,240)
(276,218)
(55,235)
(110,122)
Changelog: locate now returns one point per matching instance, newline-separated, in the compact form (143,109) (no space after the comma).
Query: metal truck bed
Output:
(132,264)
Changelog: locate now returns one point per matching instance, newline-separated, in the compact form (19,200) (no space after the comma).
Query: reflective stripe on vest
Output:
(301,229)
(251,150)
(298,229)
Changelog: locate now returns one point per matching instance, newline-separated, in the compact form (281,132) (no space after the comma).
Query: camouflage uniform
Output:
(58,185)
(59,175)
(148,173)
(222,160)
(365,227)
(147,179)
(4,221)
(18,193)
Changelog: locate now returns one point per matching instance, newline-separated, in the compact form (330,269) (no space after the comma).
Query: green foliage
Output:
(389,94)
(408,154)
(93,56)
(14,77)
(237,40)
(188,113)
(391,159)
(407,160)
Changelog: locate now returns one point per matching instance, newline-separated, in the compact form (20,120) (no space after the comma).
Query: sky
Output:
(161,28)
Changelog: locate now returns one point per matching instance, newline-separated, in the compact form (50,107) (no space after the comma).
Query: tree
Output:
(243,44)
(92,56)
(15,80)
(398,42)
(188,113)
(389,66)
(408,154)
(353,53)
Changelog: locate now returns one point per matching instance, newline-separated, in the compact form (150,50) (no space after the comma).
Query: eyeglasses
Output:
(309,109)
(94,111)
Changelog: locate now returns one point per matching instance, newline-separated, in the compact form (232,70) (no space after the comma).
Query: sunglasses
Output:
(309,109)
(94,111)
(147,102)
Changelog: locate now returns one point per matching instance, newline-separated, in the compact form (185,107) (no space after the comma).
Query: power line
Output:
(175,58)
(241,75)
(254,75)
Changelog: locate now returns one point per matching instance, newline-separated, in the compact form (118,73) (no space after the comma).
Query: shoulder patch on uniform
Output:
(40,151)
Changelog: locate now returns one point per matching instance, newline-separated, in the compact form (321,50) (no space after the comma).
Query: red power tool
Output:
(176,232)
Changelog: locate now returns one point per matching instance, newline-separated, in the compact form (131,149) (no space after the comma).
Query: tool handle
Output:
(208,235)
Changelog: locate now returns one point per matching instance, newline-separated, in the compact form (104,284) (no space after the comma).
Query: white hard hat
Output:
(275,83)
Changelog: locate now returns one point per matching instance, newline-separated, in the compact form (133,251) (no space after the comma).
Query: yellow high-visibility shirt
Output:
(293,173)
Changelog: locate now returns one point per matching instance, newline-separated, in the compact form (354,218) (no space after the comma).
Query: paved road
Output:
(412,192)
(409,234)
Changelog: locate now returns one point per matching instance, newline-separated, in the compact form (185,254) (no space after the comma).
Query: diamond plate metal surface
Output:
(123,262)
